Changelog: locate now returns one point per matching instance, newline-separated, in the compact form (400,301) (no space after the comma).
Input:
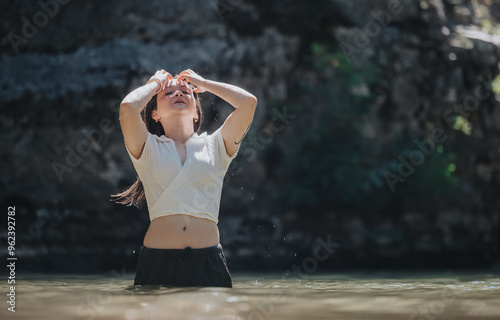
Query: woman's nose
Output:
(178,93)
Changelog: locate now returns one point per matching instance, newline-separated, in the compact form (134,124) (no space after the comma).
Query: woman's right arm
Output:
(133,127)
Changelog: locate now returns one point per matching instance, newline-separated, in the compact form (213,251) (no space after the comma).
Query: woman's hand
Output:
(163,76)
(193,78)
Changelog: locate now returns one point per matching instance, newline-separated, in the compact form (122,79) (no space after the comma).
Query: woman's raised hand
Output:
(163,76)
(193,78)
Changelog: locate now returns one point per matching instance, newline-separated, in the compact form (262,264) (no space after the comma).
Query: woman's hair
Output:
(135,193)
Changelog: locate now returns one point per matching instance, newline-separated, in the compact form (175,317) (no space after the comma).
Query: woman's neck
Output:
(179,132)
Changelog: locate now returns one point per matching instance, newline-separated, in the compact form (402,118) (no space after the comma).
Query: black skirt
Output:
(188,267)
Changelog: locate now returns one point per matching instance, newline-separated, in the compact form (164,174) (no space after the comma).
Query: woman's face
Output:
(177,99)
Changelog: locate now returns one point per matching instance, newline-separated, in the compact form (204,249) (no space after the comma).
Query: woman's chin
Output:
(179,106)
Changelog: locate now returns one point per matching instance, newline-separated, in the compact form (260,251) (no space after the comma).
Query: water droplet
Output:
(283,239)
(133,251)
(269,248)
(252,198)
(274,226)
(295,254)
(241,188)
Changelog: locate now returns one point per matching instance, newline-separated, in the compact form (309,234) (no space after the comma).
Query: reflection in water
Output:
(354,296)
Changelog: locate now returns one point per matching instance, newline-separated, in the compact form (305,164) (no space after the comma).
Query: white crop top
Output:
(193,188)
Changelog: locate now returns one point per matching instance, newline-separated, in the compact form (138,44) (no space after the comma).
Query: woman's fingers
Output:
(183,74)
(199,90)
(193,79)
(188,72)
(163,75)
(185,77)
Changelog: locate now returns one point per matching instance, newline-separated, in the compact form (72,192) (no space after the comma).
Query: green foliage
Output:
(460,123)
(495,85)
(435,176)
(332,162)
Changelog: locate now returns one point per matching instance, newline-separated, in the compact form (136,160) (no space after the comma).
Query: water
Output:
(338,296)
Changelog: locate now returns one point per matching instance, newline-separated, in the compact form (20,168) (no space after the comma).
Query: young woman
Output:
(180,173)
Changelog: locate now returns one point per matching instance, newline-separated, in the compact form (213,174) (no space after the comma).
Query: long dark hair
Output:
(135,193)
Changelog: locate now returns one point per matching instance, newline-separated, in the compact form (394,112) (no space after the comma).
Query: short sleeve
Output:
(145,155)
(221,148)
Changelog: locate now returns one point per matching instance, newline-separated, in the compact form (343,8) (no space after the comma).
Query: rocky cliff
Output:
(377,128)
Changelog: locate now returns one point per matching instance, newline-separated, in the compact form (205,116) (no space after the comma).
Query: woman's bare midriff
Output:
(179,231)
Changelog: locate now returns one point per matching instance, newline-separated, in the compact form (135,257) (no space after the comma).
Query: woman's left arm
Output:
(238,122)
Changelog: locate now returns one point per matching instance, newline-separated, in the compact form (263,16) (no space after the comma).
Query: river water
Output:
(254,296)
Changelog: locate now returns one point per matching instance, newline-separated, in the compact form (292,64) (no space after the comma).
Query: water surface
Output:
(334,296)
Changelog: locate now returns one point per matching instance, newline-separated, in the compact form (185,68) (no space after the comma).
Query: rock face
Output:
(66,65)
(60,93)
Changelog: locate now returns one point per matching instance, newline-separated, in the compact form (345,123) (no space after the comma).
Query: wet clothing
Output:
(205,267)
(193,188)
